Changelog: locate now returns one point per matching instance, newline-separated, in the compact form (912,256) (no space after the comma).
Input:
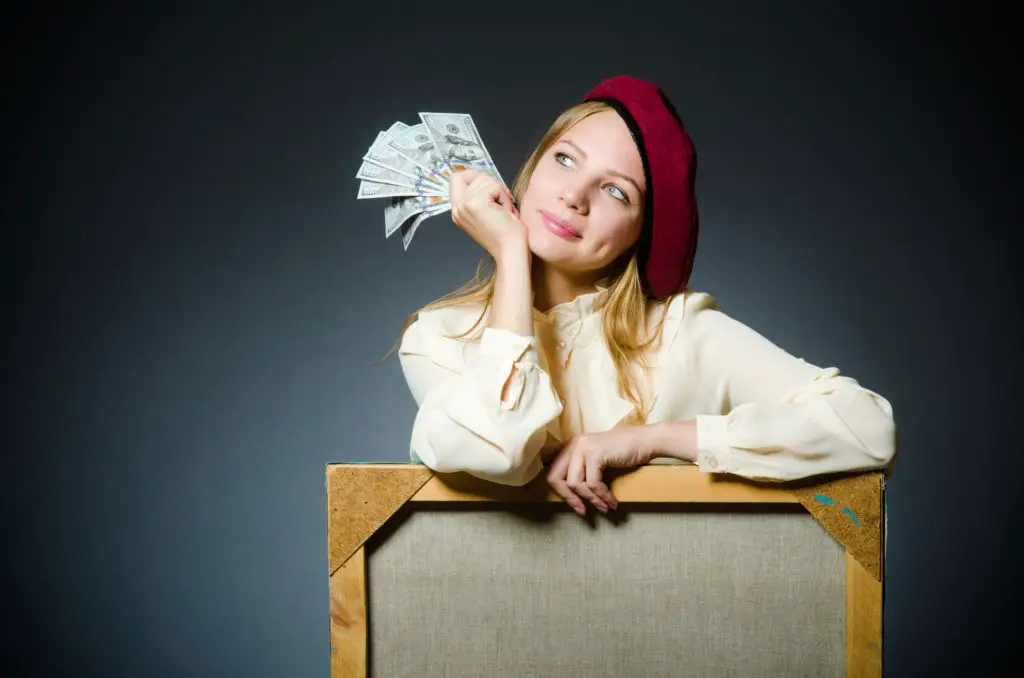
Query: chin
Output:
(549,247)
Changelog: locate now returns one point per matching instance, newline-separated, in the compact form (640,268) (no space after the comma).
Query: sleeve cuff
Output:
(507,344)
(504,351)
(712,443)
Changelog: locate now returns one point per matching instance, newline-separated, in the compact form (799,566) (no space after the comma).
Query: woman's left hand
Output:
(576,470)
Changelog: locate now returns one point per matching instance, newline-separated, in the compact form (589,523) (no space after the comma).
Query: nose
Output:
(574,195)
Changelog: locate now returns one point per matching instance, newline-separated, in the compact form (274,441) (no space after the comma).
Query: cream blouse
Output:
(760,412)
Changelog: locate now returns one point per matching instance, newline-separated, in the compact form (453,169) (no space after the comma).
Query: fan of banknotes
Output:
(409,166)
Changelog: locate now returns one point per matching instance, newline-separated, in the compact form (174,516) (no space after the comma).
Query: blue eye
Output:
(569,162)
(621,196)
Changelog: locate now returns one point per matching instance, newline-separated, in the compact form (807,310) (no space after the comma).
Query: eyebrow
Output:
(611,171)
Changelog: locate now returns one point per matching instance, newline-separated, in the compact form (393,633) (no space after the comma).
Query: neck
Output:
(553,286)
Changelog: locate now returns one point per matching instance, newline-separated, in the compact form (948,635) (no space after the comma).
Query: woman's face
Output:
(583,206)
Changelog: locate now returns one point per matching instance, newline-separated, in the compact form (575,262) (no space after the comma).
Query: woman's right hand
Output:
(482,207)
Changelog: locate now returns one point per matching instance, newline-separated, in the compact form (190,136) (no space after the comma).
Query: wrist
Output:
(512,303)
(513,251)
(677,439)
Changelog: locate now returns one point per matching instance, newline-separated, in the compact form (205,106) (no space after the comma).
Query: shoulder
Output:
(687,308)
(688,304)
(450,320)
(437,333)
(686,318)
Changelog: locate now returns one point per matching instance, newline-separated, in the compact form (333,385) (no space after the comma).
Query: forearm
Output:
(676,439)
(512,305)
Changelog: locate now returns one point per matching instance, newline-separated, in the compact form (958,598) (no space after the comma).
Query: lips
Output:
(560,226)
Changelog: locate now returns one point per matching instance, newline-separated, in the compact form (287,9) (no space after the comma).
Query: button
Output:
(561,344)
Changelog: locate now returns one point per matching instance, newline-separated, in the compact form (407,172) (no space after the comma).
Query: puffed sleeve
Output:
(781,418)
(463,424)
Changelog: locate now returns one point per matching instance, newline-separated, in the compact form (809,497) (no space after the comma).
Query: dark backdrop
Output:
(196,298)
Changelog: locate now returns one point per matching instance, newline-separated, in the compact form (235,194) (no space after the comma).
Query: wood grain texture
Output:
(850,508)
(644,484)
(863,621)
(349,641)
(361,498)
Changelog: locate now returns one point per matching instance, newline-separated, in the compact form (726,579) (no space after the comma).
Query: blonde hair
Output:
(624,306)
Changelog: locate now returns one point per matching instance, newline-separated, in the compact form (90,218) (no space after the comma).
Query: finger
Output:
(507,202)
(475,179)
(596,483)
(493,192)
(556,480)
(489,189)
(478,191)
(455,197)
(457,177)
(456,183)
(576,480)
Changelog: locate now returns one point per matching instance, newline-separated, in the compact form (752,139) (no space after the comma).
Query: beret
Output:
(668,240)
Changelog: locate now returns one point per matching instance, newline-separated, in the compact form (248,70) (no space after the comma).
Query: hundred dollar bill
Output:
(408,229)
(381,174)
(458,142)
(420,186)
(416,144)
(381,153)
(371,189)
(399,210)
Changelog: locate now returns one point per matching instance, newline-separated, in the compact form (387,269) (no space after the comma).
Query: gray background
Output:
(194,298)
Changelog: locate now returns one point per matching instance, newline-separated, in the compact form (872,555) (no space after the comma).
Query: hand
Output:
(577,467)
(482,207)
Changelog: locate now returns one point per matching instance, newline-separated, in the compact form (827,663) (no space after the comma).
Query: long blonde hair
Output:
(624,306)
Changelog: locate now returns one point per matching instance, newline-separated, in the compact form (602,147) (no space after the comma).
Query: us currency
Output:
(410,167)
(399,210)
(385,155)
(458,142)
(408,228)
(376,189)
(382,175)
(416,144)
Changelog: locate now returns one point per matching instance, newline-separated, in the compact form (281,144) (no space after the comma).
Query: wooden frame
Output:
(361,498)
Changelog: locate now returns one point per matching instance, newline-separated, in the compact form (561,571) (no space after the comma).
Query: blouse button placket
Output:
(565,347)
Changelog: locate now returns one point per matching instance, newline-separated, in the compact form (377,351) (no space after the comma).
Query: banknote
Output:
(399,210)
(385,155)
(373,189)
(416,144)
(408,228)
(458,142)
(382,175)
(409,166)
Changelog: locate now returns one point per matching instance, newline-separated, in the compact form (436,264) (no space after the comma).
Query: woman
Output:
(584,347)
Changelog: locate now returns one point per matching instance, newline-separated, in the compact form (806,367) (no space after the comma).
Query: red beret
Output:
(668,241)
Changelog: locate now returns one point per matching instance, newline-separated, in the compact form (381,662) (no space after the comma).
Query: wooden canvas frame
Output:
(362,497)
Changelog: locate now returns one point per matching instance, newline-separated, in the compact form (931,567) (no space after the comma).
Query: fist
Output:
(482,207)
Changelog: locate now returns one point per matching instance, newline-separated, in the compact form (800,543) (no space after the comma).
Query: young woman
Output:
(583,347)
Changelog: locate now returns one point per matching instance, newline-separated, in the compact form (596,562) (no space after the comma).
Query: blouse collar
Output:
(570,312)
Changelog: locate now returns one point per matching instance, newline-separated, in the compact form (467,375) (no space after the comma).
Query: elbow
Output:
(865,421)
(445,446)
(888,437)
(881,435)
(482,461)
(470,430)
